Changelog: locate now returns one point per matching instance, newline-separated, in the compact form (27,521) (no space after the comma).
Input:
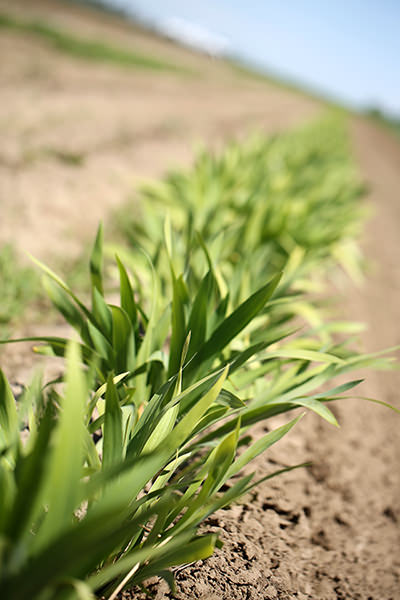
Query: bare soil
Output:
(329,532)
(122,125)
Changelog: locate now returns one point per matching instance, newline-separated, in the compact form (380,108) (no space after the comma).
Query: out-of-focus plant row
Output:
(293,199)
(213,331)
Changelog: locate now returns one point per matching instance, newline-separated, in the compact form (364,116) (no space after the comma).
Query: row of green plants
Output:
(150,430)
(263,205)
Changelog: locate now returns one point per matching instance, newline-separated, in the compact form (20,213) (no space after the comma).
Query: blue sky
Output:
(348,49)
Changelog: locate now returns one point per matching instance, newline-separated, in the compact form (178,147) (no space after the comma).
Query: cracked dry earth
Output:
(328,532)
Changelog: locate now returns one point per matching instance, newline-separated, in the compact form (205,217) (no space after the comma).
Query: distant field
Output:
(382,119)
(83,48)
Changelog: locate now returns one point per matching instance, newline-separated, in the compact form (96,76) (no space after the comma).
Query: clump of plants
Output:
(149,431)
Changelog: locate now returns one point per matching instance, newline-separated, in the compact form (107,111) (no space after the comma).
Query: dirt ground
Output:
(122,125)
(329,532)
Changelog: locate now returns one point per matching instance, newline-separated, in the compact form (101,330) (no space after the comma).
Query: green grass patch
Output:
(72,159)
(93,50)
(19,287)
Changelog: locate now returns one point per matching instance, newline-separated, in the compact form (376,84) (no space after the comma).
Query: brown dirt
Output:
(328,532)
(124,124)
